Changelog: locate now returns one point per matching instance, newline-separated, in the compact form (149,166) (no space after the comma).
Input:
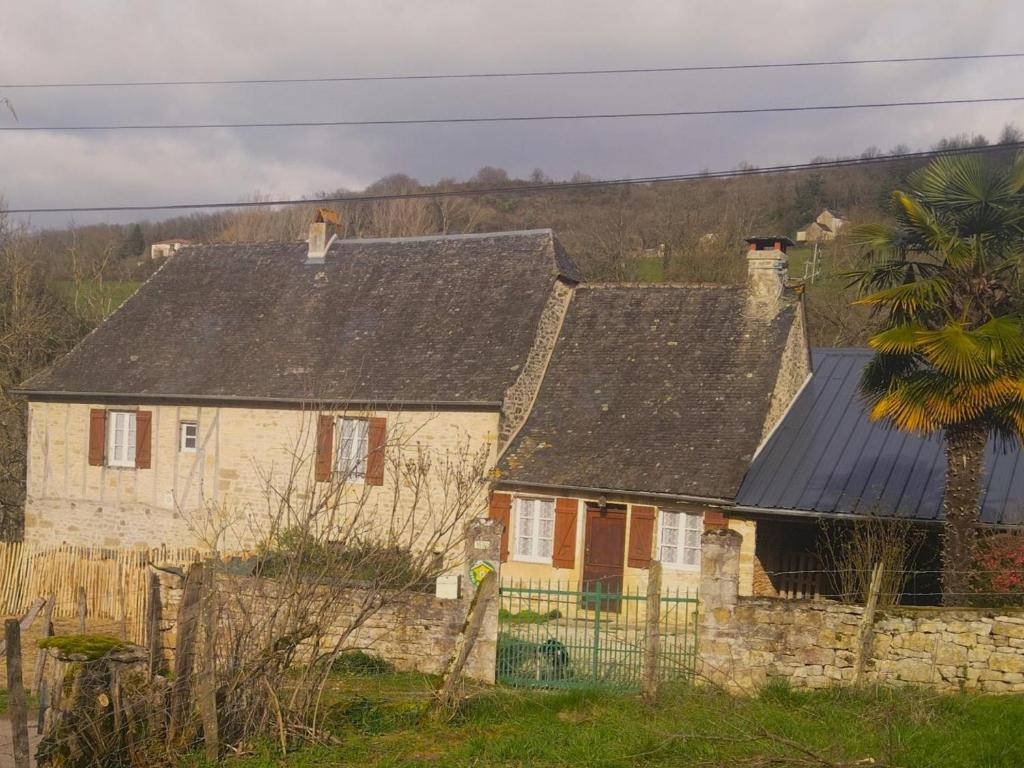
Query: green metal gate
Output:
(553,635)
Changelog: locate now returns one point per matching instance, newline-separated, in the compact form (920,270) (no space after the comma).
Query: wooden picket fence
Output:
(115,580)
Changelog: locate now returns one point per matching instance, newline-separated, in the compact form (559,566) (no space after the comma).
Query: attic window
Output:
(188,436)
(121,439)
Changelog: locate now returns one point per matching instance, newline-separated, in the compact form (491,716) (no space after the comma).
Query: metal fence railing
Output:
(553,634)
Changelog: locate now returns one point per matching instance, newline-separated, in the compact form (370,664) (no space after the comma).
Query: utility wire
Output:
(552,73)
(507,119)
(534,188)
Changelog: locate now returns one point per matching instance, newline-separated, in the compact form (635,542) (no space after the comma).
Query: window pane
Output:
(526,519)
(545,527)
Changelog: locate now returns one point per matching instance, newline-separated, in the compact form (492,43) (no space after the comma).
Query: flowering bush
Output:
(998,577)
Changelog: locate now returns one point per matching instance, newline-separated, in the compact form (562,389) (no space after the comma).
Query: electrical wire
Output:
(533,188)
(493,75)
(507,119)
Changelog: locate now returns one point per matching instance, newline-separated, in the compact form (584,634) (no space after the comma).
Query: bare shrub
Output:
(852,549)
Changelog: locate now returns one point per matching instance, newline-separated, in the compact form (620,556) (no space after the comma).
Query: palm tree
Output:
(947,280)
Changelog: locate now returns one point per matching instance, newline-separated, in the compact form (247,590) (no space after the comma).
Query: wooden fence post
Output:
(154,615)
(184,652)
(485,592)
(17,704)
(37,678)
(652,634)
(206,684)
(82,609)
(867,624)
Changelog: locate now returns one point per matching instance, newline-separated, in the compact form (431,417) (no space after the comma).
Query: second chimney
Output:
(767,266)
(324,224)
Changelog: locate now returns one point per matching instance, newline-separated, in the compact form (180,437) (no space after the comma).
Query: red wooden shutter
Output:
(376,441)
(143,439)
(501,509)
(324,448)
(97,436)
(563,554)
(641,536)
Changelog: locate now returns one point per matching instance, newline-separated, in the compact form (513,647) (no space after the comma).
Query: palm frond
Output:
(898,340)
(954,352)
(911,298)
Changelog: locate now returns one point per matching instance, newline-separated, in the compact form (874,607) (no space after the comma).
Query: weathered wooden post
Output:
(184,654)
(206,685)
(82,609)
(867,624)
(652,634)
(17,704)
(37,678)
(154,614)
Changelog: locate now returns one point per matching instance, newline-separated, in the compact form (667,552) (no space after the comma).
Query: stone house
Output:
(654,402)
(619,419)
(234,362)
(164,248)
(825,227)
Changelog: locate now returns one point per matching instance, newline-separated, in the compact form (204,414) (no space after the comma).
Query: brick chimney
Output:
(767,266)
(324,223)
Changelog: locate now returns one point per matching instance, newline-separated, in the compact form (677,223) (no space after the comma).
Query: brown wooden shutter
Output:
(563,554)
(324,448)
(97,436)
(376,441)
(641,536)
(143,439)
(501,509)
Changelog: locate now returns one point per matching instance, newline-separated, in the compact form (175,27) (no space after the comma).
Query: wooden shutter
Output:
(563,552)
(324,447)
(641,536)
(376,441)
(97,436)
(143,439)
(501,509)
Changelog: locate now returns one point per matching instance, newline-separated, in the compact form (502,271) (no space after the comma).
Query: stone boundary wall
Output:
(417,632)
(745,642)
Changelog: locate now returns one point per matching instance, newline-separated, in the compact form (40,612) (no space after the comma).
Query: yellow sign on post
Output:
(479,570)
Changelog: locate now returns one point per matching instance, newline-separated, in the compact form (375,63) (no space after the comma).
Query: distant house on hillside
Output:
(825,227)
(164,248)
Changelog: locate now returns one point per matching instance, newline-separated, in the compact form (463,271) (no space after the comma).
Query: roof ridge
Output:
(657,286)
(449,236)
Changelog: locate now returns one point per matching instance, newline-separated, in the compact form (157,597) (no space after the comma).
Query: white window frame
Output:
(352,449)
(687,521)
(121,431)
(535,504)
(183,428)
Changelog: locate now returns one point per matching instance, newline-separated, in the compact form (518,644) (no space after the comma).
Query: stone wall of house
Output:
(794,369)
(416,631)
(520,396)
(218,496)
(747,641)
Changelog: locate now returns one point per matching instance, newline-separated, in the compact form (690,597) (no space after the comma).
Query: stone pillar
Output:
(719,593)
(483,544)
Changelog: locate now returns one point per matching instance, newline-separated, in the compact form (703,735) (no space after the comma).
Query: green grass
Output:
(94,297)
(385,726)
(648,269)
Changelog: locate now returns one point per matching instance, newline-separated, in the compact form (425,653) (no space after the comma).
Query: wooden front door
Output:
(604,552)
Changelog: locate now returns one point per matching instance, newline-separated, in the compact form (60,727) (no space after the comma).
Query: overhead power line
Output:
(530,189)
(551,73)
(508,118)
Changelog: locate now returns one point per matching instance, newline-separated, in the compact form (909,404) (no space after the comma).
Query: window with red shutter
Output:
(97,436)
(143,439)
(376,443)
(641,536)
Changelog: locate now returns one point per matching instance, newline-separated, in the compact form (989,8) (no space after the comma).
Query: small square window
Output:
(189,437)
(121,439)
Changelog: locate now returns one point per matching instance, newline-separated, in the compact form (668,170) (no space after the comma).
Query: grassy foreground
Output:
(379,723)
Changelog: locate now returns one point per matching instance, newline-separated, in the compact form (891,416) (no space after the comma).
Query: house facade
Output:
(616,421)
(825,227)
(237,371)
(655,401)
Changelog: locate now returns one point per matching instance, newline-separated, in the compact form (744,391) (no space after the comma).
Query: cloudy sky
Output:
(49,40)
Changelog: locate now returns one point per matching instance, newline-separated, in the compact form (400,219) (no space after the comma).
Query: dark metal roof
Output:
(652,389)
(827,457)
(445,319)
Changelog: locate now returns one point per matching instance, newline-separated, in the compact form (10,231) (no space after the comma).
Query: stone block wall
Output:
(745,642)
(415,632)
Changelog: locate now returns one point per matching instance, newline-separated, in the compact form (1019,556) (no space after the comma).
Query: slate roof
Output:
(445,319)
(652,389)
(826,457)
